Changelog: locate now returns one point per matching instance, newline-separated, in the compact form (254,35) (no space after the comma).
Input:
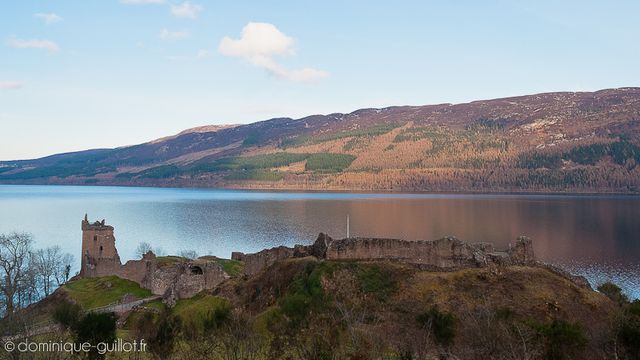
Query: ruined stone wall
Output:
(182,279)
(186,279)
(445,253)
(254,263)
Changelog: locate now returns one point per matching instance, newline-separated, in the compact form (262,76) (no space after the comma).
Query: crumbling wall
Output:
(445,253)
(254,263)
(186,279)
(182,279)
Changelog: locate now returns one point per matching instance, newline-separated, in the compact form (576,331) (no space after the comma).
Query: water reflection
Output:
(595,236)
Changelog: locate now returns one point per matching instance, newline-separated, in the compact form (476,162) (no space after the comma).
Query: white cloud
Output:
(48,18)
(33,44)
(173,35)
(259,43)
(142,2)
(10,85)
(258,39)
(186,10)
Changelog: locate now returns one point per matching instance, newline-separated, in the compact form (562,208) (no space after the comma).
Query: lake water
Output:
(594,236)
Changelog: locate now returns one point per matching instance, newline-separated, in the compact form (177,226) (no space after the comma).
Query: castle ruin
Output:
(447,253)
(175,279)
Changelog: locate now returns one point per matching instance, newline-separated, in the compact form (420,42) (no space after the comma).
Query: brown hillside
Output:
(555,142)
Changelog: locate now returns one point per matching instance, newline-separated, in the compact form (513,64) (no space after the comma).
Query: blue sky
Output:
(105,73)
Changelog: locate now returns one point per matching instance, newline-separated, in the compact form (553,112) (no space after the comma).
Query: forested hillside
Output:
(553,142)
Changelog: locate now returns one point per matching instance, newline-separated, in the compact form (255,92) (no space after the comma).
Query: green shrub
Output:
(629,330)
(67,314)
(95,328)
(442,324)
(613,292)
(304,294)
(562,339)
(377,281)
(166,329)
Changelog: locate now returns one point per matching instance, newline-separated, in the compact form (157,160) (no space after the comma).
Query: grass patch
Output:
(169,260)
(201,313)
(231,267)
(96,292)
(155,304)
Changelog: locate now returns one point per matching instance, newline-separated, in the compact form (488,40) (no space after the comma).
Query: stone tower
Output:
(99,254)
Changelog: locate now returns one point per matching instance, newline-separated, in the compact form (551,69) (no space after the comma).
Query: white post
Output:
(347,226)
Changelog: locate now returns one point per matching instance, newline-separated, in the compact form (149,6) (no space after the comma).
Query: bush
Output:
(613,292)
(67,314)
(629,336)
(442,324)
(629,330)
(304,293)
(377,281)
(167,328)
(96,328)
(562,339)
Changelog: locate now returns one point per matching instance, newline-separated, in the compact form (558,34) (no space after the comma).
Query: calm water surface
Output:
(595,236)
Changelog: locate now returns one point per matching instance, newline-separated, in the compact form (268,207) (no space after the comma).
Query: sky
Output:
(87,74)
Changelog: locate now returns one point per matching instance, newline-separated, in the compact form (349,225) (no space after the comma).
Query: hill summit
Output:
(551,142)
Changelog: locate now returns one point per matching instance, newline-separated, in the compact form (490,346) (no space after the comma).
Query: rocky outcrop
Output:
(447,253)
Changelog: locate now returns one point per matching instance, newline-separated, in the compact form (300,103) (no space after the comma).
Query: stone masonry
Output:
(176,279)
(447,253)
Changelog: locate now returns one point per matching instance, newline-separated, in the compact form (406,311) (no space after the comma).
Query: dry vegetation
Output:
(555,142)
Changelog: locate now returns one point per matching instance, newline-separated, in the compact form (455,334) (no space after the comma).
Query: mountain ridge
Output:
(547,142)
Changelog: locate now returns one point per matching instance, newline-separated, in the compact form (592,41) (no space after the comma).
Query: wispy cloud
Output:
(142,2)
(173,35)
(11,85)
(259,43)
(49,18)
(33,44)
(186,10)
(201,54)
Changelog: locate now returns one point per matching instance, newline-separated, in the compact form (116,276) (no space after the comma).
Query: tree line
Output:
(28,274)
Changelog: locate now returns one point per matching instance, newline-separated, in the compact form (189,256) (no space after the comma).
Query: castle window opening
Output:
(196,270)
(95,237)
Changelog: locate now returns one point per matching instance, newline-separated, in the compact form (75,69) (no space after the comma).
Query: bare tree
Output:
(45,263)
(189,254)
(143,248)
(15,253)
(63,268)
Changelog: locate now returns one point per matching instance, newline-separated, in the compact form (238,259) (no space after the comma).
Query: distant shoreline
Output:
(347,191)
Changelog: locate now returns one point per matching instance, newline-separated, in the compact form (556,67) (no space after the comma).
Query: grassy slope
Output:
(96,292)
